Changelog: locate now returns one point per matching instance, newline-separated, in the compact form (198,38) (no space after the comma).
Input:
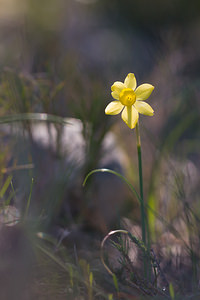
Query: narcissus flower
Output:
(130,100)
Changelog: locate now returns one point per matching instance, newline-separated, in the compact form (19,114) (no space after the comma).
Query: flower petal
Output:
(130,81)
(114,108)
(115,95)
(130,116)
(144,108)
(117,86)
(144,91)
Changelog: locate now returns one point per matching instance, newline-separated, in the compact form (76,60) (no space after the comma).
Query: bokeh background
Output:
(61,58)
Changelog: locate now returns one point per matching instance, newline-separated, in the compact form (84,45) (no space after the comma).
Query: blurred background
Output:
(61,58)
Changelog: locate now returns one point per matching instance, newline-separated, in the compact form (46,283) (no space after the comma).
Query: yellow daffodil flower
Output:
(129,100)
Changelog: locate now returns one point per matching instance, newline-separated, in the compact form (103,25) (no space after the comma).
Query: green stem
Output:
(142,206)
(147,266)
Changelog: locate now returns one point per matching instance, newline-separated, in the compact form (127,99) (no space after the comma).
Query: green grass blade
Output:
(5,186)
(29,201)
(116,174)
(33,117)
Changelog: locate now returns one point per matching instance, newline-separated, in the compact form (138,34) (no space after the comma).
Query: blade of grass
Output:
(102,170)
(5,186)
(33,117)
(29,200)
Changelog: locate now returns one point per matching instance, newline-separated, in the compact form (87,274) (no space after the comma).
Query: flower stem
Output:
(145,234)
(142,207)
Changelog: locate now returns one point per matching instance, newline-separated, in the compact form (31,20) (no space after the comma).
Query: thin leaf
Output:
(116,174)
(33,117)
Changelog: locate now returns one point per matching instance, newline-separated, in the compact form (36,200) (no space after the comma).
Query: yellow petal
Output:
(117,87)
(113,108)
(130,116)
(115,95)
(130,81)
(144,108)
(144,91)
